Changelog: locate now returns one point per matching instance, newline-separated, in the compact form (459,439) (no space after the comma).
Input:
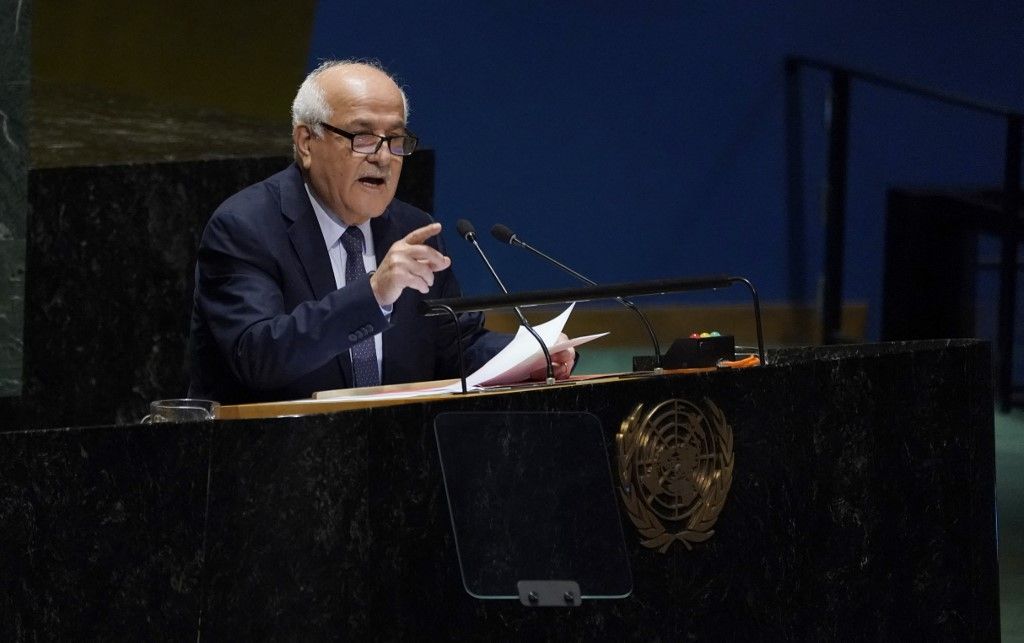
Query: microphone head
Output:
(502,233)
(466,230)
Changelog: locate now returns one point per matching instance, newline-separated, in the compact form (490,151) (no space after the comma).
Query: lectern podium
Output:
(860,506)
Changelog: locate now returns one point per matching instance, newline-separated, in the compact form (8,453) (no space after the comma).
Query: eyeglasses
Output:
(398,144)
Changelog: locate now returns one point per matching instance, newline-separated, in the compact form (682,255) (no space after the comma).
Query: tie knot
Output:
(352,239)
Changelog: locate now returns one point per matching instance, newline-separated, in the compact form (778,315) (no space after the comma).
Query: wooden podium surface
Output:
(860,506)
(365,398)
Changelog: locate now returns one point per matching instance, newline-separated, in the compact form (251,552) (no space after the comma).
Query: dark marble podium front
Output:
(862,507)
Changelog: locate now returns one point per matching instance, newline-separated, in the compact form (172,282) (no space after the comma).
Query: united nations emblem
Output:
(675,467)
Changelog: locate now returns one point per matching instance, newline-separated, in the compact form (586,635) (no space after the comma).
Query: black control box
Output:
(692,352)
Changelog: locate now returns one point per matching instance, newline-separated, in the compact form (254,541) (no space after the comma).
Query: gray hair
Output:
(310,107)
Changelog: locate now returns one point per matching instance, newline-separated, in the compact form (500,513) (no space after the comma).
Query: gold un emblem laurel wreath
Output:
(675,466)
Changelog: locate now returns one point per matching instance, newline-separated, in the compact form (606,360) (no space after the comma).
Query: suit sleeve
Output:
(264,344)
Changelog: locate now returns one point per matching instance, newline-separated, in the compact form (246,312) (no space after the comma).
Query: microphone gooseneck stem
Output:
(470,236)
(516,241)
(494,273)
(458,341)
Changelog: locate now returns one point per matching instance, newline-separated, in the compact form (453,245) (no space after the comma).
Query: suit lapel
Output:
(308,241)
(306,237)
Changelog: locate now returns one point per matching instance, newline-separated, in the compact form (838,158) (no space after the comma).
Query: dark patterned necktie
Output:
(364,354)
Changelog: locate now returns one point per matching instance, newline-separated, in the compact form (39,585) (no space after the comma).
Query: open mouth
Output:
(372,181)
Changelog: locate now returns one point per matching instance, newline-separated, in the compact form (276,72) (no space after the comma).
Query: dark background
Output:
(633,141)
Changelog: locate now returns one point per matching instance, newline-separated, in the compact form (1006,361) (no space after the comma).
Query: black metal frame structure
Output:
(835,199)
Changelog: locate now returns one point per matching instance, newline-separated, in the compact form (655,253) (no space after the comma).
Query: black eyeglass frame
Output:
(380,140)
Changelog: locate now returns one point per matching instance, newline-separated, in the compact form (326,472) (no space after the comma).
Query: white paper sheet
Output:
(523,355)
(511,365)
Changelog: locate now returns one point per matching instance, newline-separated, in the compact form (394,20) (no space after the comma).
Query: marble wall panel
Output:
(102,533)
(109,284)
(861,508)
(14,86)
(111,254)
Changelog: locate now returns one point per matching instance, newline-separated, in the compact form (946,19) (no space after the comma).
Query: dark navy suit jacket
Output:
(268,322)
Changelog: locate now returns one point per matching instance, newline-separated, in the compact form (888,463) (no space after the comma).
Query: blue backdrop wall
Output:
(652,131)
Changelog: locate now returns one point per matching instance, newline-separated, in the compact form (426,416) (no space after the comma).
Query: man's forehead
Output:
(359,80)
(391,122)
(369,98)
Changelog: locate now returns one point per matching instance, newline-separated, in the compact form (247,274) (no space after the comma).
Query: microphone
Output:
(467,232)
(505,235)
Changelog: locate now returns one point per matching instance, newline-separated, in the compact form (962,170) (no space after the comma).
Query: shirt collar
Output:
(332,227)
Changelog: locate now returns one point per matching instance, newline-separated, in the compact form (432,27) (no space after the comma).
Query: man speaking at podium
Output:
(310,280)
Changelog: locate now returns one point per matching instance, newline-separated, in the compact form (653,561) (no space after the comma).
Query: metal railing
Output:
(842,79)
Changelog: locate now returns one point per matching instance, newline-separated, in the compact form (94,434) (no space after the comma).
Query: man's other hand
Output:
(408,264)
(561,362)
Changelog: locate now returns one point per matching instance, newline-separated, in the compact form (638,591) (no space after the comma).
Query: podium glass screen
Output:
(531,497)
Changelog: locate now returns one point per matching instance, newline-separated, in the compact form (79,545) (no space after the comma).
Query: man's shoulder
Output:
(265,198)
(256,215)
(398,220)
(265,191)
(407,214)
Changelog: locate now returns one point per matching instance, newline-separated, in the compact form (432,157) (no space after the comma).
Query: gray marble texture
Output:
(14,84)
(109,259)
(76,126)
(861,508)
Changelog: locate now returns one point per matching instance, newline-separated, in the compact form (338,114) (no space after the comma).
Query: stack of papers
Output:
(523,355)
(513,364)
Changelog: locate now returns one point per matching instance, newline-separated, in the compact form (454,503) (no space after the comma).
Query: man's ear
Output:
(301,138)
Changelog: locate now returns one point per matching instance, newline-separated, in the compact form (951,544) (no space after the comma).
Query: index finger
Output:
(419,235)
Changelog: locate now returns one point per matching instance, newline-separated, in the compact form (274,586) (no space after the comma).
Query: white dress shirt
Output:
(332,228)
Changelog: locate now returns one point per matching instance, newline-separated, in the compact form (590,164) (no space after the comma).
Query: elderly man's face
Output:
(354,186)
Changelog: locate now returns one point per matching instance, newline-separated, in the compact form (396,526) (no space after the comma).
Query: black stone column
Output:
(14,83)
